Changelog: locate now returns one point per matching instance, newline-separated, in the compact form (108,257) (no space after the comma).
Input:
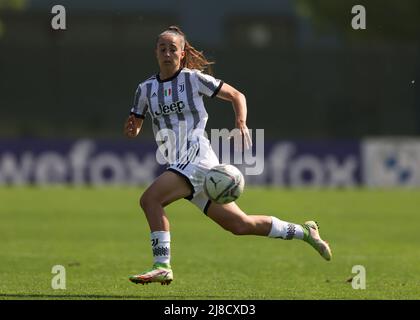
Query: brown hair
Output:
(193,59)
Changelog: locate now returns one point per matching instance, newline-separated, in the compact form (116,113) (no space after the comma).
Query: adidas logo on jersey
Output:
(165,109)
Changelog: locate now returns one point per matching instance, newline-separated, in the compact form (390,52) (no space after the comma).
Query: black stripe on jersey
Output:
(217,89)
(135,109)
(181,117)
(137,97)
(161,100)
(148,93)
(168,124)
(189,89)
(175,94)
(208,84)
(155,122)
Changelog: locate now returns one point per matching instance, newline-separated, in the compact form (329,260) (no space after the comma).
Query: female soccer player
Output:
(174,100)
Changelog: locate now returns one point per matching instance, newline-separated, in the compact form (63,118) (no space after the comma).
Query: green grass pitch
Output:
(101,237)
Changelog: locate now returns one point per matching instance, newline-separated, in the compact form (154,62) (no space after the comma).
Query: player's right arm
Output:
(132,126)
(134,121)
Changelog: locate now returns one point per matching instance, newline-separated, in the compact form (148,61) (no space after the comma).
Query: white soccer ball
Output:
(224,183)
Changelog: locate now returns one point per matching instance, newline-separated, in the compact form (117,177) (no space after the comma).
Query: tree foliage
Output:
(387,20)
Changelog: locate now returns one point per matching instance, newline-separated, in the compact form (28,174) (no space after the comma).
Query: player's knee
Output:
(149,201)
(146,201)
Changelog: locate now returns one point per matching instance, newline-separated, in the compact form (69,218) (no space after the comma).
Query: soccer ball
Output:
(224,183)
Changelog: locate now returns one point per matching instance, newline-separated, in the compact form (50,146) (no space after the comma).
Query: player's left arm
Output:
(238,100)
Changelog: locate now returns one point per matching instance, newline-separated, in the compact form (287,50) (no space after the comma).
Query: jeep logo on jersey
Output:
(165,109)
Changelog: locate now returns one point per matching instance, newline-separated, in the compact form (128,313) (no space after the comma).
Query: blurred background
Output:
(340,110)
(306,73)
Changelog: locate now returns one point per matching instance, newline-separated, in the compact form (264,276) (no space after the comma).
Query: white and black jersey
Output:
(176,104)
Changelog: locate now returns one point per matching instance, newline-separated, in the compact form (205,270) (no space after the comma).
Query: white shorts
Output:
(194,172)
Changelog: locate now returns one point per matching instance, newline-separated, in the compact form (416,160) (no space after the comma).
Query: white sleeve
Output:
(208,85)
(140,103)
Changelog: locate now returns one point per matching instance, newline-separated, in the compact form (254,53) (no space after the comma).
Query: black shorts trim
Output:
(207,207)
(186,180)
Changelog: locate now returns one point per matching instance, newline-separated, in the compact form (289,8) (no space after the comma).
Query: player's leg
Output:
(232,218)
(167,188)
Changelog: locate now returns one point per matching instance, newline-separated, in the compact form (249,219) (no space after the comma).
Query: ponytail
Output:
(193,59)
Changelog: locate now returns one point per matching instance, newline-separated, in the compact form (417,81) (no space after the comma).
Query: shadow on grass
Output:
(94,296)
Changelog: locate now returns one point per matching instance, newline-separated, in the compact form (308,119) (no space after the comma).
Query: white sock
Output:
(285,230)
(161,246)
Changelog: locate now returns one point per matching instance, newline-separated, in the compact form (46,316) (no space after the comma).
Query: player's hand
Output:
(241,132)
(246,137)
(132,126)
